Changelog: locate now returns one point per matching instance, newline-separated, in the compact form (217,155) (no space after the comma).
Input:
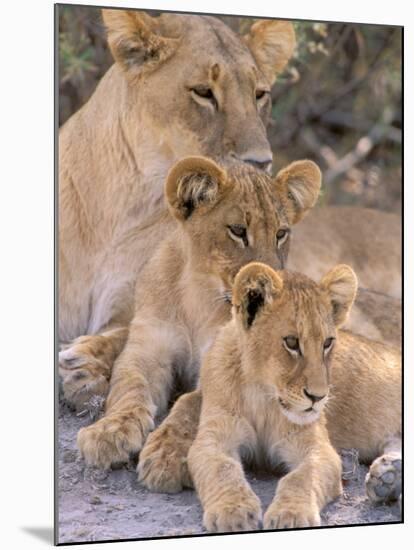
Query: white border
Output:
(26,289)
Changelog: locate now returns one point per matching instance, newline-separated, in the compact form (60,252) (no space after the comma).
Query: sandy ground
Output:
(96,505)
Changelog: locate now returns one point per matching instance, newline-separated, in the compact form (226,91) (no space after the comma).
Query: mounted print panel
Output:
(229,266)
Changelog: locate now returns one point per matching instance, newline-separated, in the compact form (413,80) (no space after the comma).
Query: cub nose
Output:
(313,398)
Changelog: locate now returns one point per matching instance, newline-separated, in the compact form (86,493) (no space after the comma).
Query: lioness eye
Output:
(281,236)
(328,344)
(239,231)
(261,93)
(205,93)
(292,343)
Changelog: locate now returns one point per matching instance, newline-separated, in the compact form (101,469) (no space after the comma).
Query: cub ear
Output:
(134,39)
(341,284)
(192,183)
(272,44)
(256,285)
(300,184)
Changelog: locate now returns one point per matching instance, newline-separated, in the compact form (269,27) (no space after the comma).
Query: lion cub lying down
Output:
(226,218)
(265,383)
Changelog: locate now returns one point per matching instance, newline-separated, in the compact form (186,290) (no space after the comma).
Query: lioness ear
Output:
(299,183)
(341,284)
(134,39)
(193,182)
(255,286)
(272,44)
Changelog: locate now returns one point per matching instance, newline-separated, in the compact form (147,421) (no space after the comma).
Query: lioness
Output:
(225,218)
(265,383)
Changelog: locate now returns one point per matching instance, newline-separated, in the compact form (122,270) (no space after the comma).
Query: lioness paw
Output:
(383,481)
(288,516)
(83,377)
(162,463)
(113,440)
(82,389)
(240,515)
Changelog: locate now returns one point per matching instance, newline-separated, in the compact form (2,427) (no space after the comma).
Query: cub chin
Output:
(225,218)
(265,384)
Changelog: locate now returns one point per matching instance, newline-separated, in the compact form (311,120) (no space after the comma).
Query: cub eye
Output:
(281,236)
(261,93)
(205,93)
(239,231)
(292,343)
(328,344)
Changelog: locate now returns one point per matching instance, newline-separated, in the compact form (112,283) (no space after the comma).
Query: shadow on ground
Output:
(42,533)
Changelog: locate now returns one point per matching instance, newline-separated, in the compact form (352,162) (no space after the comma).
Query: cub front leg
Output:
(85,366)
(162,463)
(139,388)
(228,501)
(302,493)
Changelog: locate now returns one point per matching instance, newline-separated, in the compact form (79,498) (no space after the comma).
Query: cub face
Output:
(198,84)
(234,216)
(288,326)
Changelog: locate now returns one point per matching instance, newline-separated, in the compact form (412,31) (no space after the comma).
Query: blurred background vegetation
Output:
(338,102)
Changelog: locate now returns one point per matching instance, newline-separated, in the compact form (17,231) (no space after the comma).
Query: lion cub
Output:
(265,383)
(225,219)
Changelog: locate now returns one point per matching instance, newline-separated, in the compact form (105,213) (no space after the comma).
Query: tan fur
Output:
(115,152)
(367,240)
(363,408)
(376,316)
(256,404)
(182,297)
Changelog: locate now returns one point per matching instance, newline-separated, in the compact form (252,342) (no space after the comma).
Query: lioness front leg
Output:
(304,491)
(85,365)
(139,388)
(162,463)
(228,501)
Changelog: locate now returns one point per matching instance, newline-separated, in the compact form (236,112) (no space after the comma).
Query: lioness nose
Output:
(263,162)
(265,165)
(313,398)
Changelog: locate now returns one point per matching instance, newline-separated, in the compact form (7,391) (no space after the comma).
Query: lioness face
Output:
(289,324)
(233,216)
(200,86)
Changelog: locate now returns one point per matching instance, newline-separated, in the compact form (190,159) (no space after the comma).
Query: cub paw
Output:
(83,377)
(162,463)
(238,514)
(289,515)
(383,481)
(113,439)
